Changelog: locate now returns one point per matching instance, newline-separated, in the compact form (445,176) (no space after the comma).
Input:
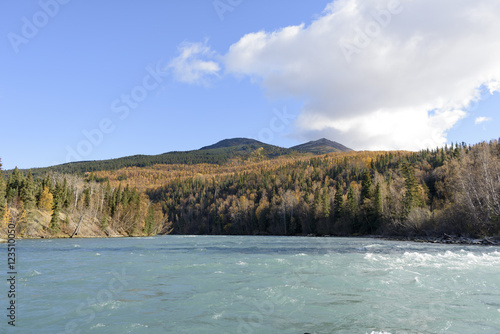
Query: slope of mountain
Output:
(321,146)
(218,153)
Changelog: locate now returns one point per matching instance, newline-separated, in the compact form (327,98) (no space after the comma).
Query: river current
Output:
(254,284)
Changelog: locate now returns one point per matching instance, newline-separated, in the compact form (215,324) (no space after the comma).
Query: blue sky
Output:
(90,80)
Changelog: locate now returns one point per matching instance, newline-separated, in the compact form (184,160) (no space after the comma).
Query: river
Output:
(254,284)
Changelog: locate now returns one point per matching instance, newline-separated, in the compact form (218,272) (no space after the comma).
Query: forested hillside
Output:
(220,153)
(453,190)
(67,205)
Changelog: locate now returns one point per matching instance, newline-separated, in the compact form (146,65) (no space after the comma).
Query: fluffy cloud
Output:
(194,64)
(482,119)
(380,74)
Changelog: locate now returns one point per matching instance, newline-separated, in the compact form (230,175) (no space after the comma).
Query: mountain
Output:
(218,153)
(235,142)
(321,146)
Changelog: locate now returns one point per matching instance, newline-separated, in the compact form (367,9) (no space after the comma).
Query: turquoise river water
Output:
(233,284)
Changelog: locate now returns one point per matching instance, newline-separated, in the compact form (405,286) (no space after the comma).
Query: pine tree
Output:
(150,220)
(27,192)
(86,197)
(47,182)
(56,209)
(411,197)
(325,203)
(366,187)
(54,221)
(104,222)
(14,184)
(378,200)
(338,202)
(65,198)
(352,206)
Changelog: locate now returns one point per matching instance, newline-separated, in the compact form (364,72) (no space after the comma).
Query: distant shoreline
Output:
(445,239)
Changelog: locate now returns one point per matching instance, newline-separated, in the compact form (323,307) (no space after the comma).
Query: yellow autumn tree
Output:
(46,200)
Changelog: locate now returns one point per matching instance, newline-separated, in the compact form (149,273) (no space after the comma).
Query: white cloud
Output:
(379,74)
(482,119)
(194,64)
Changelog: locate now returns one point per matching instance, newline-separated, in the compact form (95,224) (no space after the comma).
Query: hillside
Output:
(217,154)
(452,190)
(321,146)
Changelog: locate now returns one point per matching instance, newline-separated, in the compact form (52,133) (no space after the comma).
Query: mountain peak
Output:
(233,142)
(322,146)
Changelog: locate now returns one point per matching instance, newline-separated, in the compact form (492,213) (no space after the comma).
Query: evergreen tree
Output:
(352,205)
(65,198)
(56,209)
(86,197)
(10,191)
(378,200)
(150,220)
(325,202)
(411,197)
(366,187)
(28,192)
(14,184)
(104,222)
(54,221)
(317,204)
(338,202)
(47,182)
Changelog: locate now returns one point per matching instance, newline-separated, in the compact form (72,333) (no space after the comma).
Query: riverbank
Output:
(448,239)
(444,239)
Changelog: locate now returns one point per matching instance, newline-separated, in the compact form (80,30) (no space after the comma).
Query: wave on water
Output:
(137,325)
(460,260)
(32,273)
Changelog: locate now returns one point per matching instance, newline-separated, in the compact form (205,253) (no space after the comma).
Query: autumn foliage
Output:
(453,190)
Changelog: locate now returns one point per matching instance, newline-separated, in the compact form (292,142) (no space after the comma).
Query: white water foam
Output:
(453,260)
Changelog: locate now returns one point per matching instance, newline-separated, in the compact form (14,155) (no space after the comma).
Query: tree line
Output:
(447,190)
(453,190)
(57,204)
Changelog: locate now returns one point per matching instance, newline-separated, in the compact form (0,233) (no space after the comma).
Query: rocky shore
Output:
(451,239)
